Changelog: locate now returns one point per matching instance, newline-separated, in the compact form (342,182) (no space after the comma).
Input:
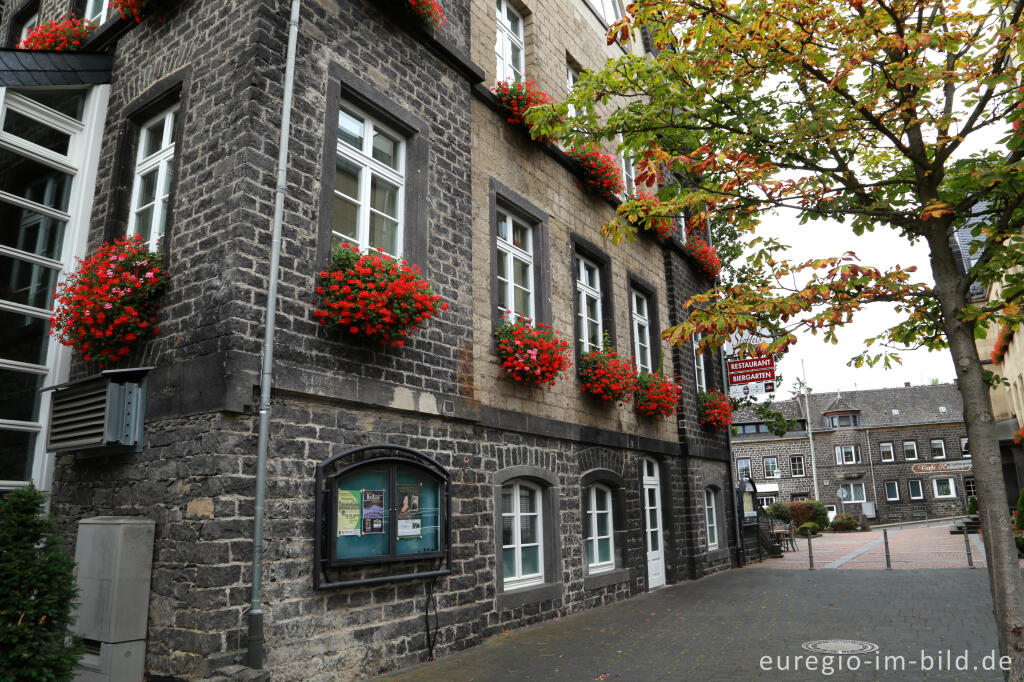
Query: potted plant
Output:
(705,255)
(599,172)
(109,301)
(374,296)
(656,395)
(715,409)
(531,355)
(429,12)
(515,97)
(65,34)
(1002,344)
(607,376)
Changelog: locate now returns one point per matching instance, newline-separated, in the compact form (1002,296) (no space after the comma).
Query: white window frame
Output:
(793,468)
(506,39)
(767,500)
(851,487)
(893,496)
(740,468)
(595,566)
(887,446)
(920,489)
(588,286)
(609,10)
(572,75)
(914,444)
(942,448)
(700,376)
(710,518)
(510,252)
(775,471)
(161,161)
(100,13)
(965,448)
(970,487)
(847,454)
(368,168)
(642,338)
(628,171)
(519,580)
(952,488)
(30,24)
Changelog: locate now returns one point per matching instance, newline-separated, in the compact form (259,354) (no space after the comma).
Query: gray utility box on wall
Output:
(115,559)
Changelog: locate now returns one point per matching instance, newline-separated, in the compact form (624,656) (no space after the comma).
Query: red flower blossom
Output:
(705,255)
(664,225)
(429,11)
(65,34)
(600,172)
(1002,344)
(518,96)
(134,8)
(375,296)
(1018,436)
(531,355)
(715,409)
(109,301)
(604,374)
(656,395)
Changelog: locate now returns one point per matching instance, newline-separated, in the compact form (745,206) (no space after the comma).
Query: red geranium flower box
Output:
(109,301)
(715,409)
(600,172)
(532,355)
(516,97)
(656,395)
(607,376)
(705,255)
(64,35)
(374,296)
(1002,344)
(430,12)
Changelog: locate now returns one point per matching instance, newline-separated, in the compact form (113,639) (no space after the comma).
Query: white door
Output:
(831,508)
(652,522)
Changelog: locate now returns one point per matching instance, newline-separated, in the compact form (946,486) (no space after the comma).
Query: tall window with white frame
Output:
(711,518)
(796,466)
(916,489)
(641,331)
(886,452)
(369,183)
(938,448)
(154,168)
(521,535)
(588,292)
(743,468)
(909,450)
(892,491)
(700,380)
(970,490)
(509,44)
(628,172)
(97,10)
(771,467)
(965,448)
(514,267)
(598,528)
(572,74)
(609,10)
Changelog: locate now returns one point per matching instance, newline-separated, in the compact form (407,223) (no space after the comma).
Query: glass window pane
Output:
(506,530)
(508,563)
(19,395)
(603,525)
(592,311)
(522,306)
(23,338)
(346,218)
(502,226)
(363,524)
(528,529)
(651,496)
(527,500)
(32,180)
(144,223)
(68,102)
(384,233)
(594,335)
(655,544)
(350,128)
(521,237)
(503,265)
(147,188)
(30,231)
(172,127)
(604,550)
(16,450)
(531,560)
(521,273)
(346,178)
(418,520)
(506,500)
(385,149)
(153,138)
(601,501)
(27,283)
(384,196)
(652,518)
(36,132)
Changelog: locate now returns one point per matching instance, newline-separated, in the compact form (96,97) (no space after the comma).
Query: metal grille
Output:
(79,415)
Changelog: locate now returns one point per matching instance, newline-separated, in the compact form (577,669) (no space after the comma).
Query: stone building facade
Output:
(546,502)
(897,453)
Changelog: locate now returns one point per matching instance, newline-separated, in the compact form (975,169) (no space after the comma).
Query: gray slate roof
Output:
(916,405)
(46,68)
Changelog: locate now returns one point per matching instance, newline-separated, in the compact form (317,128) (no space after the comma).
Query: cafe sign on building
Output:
(942,467)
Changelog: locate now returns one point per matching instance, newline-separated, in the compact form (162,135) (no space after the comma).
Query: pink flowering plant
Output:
(715,409)
(515,97)
(606,375)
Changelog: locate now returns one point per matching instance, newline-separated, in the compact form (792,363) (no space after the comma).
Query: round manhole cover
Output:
(840,646)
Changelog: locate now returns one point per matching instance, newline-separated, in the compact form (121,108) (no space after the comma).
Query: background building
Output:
(533,503)
(898,453)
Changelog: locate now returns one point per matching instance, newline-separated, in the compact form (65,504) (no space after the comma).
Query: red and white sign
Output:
(750,370)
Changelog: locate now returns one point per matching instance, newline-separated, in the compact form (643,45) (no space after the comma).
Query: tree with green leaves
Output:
(37,593)
(882,114)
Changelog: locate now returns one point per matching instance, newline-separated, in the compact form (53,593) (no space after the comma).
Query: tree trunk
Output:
(1004,571)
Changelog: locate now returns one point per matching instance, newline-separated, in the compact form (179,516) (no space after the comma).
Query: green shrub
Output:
(843,522)
(37,591)
(809,528)
(779,512)
(1020,511)
(1018,540)
(972,505)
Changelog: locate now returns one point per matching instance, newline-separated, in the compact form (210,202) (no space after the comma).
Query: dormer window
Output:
(837,421)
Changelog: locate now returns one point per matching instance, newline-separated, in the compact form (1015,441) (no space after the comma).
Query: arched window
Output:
(522,542)
(598,528)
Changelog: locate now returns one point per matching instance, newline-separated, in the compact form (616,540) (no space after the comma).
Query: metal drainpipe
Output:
(810,435)
(871,466)
(254,652)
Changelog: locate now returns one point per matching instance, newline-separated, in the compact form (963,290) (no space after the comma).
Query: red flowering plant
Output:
(533,355)
(109,301)
(430,12)
(656,395)
(600,172)
(644,209)
(1002,344)
(715,409)
(1018,436)
(518,96)
(131,8)
(705,255)
(373,295)
(606,375)
(65,34)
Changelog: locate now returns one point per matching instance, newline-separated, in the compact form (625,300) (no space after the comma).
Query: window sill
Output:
(606,578)
(527,595)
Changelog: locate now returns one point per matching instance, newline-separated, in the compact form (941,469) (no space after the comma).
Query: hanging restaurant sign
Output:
(749,370)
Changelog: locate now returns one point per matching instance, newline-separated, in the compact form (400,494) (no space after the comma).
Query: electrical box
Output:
(114,557)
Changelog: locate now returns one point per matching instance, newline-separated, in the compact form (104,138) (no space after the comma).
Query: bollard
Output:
(888,561)
(810,554)
(967,546)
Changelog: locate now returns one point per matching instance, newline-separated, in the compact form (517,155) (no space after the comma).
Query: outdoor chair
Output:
(791,538)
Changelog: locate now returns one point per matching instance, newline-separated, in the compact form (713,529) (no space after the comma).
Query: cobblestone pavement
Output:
(720,627)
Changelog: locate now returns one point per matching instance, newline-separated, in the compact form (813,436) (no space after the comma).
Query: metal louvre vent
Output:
(101,414)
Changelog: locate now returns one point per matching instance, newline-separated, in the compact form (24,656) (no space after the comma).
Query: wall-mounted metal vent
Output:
(99,415)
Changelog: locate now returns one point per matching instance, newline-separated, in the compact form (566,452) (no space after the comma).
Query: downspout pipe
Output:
(254,652)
